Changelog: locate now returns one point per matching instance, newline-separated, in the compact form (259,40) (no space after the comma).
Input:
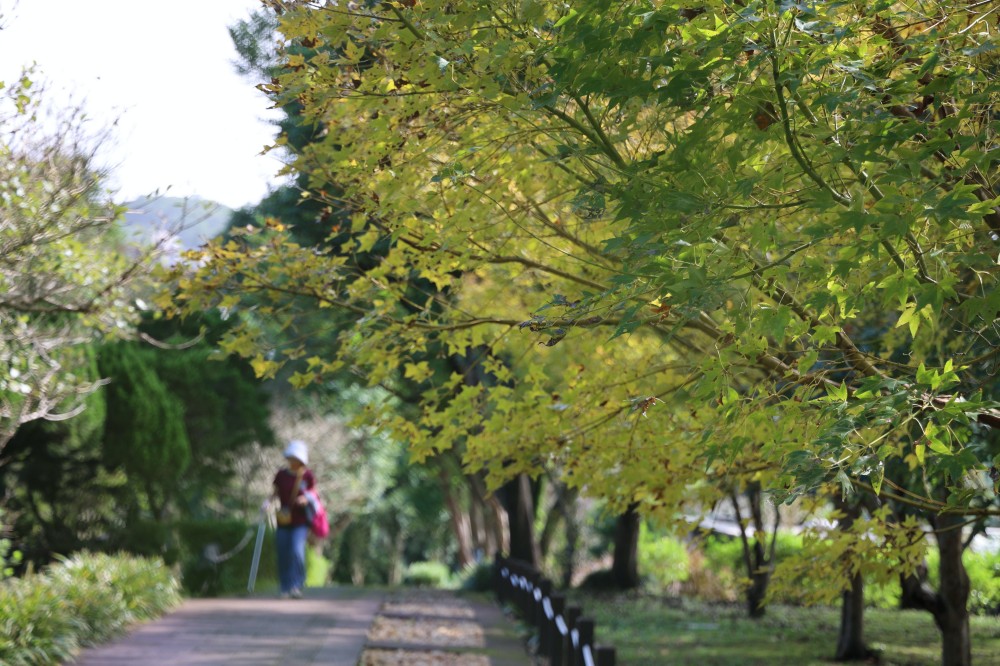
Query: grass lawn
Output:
(647,630)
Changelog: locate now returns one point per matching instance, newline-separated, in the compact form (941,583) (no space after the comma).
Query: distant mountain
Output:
(182,223)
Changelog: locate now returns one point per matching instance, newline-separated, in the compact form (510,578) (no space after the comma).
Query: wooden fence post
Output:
(557,630)
(572,615)
(532,599)
(499,583)
(563,635)
(604,656)
(542,620)
(585,635)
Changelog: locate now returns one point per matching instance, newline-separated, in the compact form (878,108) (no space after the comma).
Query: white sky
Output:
(163,69)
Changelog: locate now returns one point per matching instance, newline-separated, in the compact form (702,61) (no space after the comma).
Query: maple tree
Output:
(706,243)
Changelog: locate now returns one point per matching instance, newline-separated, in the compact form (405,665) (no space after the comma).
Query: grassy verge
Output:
(647,630)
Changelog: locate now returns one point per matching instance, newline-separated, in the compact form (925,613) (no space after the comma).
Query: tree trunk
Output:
(394,575)
(757,590)
(757,558)
(460,524)
(553,518)
(953,615)
(499,526)
(563,504)
(913,588)
(494,514)
(477,524)
(521,516)
(851,641)
(567,561)
(625,568)
(949,605)
(357,545)
(569,554)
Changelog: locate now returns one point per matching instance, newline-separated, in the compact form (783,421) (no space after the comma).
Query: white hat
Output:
(297,449)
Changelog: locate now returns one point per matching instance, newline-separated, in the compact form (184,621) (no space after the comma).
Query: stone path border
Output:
(502,643)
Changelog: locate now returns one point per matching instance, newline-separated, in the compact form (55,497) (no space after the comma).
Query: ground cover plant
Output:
(655,630)
(83,600)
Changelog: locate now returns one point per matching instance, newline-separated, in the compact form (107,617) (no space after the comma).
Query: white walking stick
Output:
(256,553)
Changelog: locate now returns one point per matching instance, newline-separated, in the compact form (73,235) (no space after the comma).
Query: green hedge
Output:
(724,557)
(728,551)
(148,538)
(428,574)
(477,577)
(45,618)
(196,546)
(663,560)
(204,577)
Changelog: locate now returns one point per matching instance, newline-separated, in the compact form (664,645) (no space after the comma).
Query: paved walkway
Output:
(330,626)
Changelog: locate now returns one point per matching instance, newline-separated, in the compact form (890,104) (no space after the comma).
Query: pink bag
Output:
(319,525)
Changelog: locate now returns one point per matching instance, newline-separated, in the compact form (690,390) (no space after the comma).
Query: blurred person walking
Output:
(290,486)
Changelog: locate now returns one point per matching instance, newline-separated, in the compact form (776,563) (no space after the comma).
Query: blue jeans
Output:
(292,557)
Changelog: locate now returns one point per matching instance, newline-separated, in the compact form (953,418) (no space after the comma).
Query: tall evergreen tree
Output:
(144,431)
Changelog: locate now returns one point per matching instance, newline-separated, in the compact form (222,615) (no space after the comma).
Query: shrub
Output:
(663,560)
(709,583)
(149,539)
(150,589)
(602,580)
(722,570)
(8,556)
(984,581)
(427,574)
(82,600)
(477,577)
(728,552)
(85,584)
(211,564)
(984,578)
(885,595)
(317,568)
(107,593)
(36,626)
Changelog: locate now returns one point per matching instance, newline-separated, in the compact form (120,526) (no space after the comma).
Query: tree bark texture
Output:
(495,516)
(949,604)
(517,497)
(953,612)
(757,556)
(460,524)
(568,559)
(851,641)
(477,523)
(395,572)
(625,567)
